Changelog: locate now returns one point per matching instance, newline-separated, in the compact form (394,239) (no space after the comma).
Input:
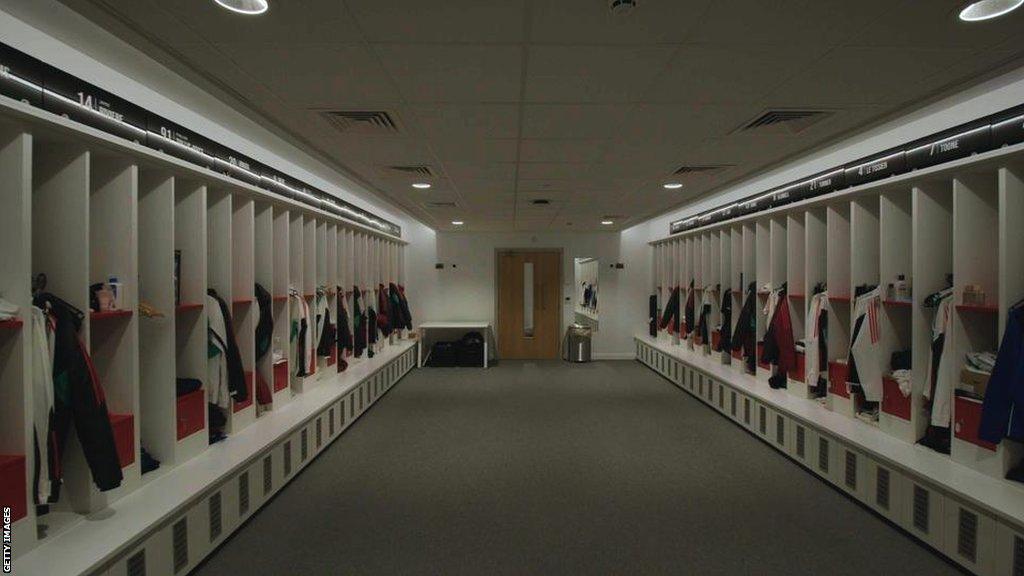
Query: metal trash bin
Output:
(576,344)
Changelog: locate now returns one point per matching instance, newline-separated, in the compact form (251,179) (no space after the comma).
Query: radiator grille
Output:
(304,445)
(780,430)
(319,433)
(850,477)
(215,516)
(882,488)
(921,510)
(823,455)
(763,413)
(179,544)
(330,422)
(1018,556)
(732,405)
(746,411)
(136,565)
(287,458)
(800,439)
(721,397)
(268,475)
(967,535)
(243,493)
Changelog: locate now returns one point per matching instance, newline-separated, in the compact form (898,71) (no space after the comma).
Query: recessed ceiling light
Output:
(676,185)
(421,185)
(458,222)
(988,9)
(249,7)
(607,222)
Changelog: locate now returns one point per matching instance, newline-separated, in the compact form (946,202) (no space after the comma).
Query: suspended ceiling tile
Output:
(799,22)
(935,24)
(592,73)
(319,22)
(571,150)
(466,121)
(454,73)
(462,21)
(590,121)
(591,22)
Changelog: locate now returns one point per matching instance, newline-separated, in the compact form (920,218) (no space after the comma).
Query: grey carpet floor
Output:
(550,468)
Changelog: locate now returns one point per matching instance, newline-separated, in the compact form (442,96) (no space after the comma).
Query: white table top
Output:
(463,324)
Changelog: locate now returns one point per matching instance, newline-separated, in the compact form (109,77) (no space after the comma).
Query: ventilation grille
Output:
(850,477)
(330,422)
(763,413)
(882,489)
(792,121)
(361,121)
(967,535)
(287,459)
(351,405)
(215,516)
(721,397)
(1018,556)
(304,445)
(179,544)
(823,455)
(780,430)
(136,565)
(268,475)
(921,509)
(732,405)
(706,170)
(800,439)
(413,170)
(319,433)
(441,204)
(243,494)
(746,411)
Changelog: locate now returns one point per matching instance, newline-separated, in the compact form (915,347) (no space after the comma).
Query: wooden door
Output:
(529,306)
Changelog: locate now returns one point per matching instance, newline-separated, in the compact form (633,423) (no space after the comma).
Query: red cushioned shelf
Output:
(110,314)
(967,419)
(797,373)
(837,372)
(13,492)
(239,406)
(893,400)
(191,413)
(898,303)
(280,376)
(124,437)
(281,298)
(188,307)
(979,308)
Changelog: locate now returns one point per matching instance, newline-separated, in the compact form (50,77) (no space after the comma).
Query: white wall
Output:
(55,34)
(467,291)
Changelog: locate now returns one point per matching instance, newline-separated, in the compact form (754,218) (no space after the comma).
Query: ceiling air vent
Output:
(441,204)
(699,170)
(792,121)
(361,121)
(414,170)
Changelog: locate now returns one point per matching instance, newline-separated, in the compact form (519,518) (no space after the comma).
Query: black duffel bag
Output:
(443,355)
(470,350)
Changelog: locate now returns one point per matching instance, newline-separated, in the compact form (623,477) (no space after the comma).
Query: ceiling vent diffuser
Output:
(441,204)
(789,120)
(700,170)
(361,121)
(413,170)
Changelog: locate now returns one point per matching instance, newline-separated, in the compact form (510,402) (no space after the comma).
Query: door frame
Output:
(497,288)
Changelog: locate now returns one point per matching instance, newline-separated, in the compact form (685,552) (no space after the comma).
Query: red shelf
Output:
(309,295)
(281,298)
(280,376)
(981,308)
(898,303)
(109,314)
(124,437)
(797,296)
(12,324)
(191,414)
(239,406)
(188,307)
(838,298)
(12,485)
(241,302)
(893,400)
